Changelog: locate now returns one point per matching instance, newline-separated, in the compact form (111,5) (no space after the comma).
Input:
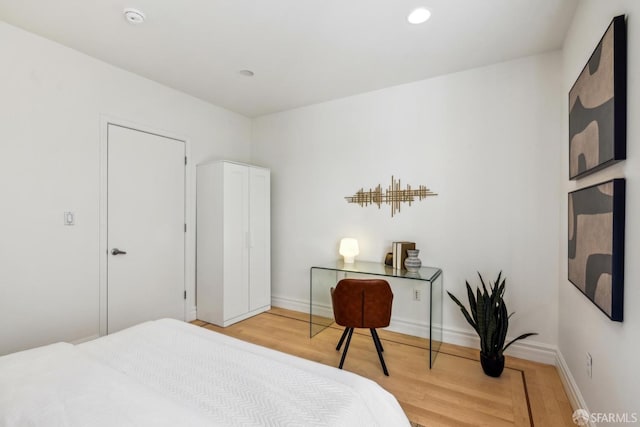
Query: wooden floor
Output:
(454,393)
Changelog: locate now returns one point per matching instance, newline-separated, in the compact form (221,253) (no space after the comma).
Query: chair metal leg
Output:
(373,331)
(376,340)
(346,348)
(378,344)
(344,335)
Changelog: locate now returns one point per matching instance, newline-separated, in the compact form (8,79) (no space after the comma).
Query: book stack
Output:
(399,251)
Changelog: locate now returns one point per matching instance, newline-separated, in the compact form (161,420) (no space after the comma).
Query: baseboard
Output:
(527,349)
(570,386)
(524,349)
(290,303)
(409,327)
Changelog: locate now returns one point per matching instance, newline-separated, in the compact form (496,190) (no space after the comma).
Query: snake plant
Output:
(489,316)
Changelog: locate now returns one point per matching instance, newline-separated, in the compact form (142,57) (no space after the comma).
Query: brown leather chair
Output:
(362,303)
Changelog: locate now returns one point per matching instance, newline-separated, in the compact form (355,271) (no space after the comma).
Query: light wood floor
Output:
(454,393)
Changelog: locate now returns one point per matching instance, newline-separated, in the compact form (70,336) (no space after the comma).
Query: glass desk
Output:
(324,277)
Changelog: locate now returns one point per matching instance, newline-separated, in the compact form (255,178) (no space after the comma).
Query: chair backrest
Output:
(362,303)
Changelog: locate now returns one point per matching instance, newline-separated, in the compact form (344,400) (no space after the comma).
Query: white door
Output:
(145,227)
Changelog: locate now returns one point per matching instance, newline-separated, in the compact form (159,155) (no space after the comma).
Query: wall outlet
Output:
(589,364)
(417,294)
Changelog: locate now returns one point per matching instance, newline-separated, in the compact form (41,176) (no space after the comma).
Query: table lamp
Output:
(349,249)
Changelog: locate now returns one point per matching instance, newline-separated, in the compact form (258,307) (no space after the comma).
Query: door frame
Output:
(103,249)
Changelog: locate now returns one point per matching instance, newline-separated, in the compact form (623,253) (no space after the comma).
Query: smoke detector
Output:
(134,16)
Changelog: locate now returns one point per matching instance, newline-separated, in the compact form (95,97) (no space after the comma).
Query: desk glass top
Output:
(427,274)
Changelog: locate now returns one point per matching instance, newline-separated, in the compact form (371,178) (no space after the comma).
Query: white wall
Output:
(51,102)
(615,385)
(486,140)
(490,141)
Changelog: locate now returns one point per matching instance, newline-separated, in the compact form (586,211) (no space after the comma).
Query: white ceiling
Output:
(302,51)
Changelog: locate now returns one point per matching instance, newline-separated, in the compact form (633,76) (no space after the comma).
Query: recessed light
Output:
(134,16)
(246,73)
(419,15)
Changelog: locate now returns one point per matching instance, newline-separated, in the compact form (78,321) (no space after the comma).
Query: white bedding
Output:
(58,385)
(168,372)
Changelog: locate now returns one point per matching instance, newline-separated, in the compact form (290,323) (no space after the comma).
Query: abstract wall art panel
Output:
(596,244)
(598,104)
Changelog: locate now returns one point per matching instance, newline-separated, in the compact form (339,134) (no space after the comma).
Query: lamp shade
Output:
(349,249)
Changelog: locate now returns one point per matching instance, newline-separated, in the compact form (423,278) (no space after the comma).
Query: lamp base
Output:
(349,260)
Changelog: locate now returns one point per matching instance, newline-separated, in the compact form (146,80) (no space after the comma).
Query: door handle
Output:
(116,251)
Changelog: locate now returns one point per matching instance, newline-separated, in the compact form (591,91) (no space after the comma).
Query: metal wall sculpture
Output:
(392,196)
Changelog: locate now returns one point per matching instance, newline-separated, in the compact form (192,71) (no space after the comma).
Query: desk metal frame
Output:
(323,277)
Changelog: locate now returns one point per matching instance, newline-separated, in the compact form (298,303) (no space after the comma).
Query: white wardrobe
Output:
(233,271)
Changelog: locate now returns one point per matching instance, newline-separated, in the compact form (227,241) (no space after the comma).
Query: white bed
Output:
(170,373)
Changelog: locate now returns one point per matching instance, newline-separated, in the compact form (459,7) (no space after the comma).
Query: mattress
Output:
(168,373)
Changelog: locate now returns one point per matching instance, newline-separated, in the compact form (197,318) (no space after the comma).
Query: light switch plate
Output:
(69,218)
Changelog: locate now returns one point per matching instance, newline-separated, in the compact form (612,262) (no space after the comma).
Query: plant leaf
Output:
(484,287)
(464,311)
(521,337)
(482,321)
(504,326)
(472,303)
(494,324)
(502,286)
